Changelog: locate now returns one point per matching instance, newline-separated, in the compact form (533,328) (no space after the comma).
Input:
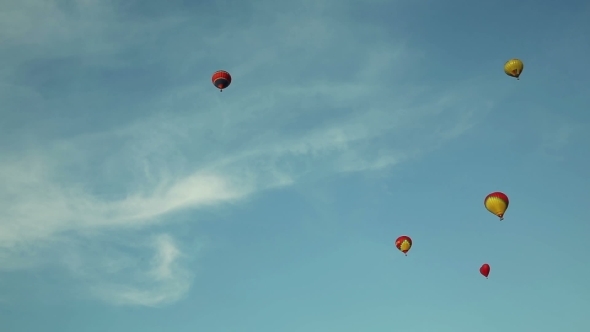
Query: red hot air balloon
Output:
(403,244)
(485,270)
(221,79)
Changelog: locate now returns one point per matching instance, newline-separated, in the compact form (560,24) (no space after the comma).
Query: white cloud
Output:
(123,279)
(192,147)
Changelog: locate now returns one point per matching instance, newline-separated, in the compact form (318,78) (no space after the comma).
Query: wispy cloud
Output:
(124,278)
(187,146)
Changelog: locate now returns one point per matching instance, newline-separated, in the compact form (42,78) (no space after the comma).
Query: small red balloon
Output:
(485,270)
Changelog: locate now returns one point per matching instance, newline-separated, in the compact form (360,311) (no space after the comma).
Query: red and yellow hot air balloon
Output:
(221,79)
(403,244)
(485,270)
(497,203)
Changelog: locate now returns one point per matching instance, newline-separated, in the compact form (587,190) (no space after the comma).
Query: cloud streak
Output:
(167,280)
(125,278)
(189,147)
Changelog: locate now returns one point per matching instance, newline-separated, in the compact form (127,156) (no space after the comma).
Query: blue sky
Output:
(136,197)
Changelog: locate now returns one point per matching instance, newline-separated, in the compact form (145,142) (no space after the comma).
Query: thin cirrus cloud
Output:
(187,146)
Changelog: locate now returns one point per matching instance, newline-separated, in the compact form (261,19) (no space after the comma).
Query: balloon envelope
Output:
(221,79)
(513,68)
(403,243)
(497,203)
(485,270)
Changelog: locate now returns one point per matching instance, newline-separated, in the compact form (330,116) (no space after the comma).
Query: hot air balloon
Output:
(497,203)
(403,244)
(513,67)
(485,270)
(221,79)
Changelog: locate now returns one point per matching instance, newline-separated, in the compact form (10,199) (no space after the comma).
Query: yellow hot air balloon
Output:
(497,203)
(513,67)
